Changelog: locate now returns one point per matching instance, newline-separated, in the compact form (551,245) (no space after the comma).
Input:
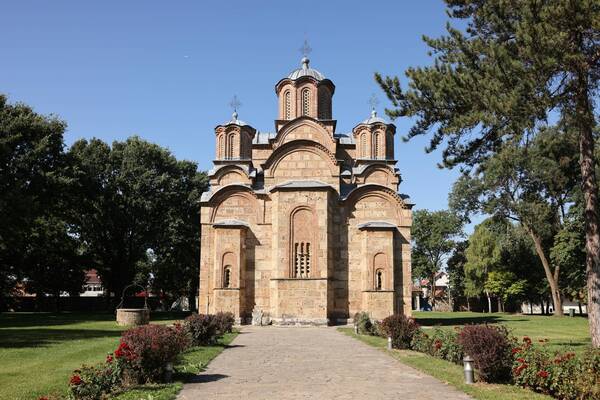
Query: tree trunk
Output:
(552,278)
(530,308)
(589,187)
(499,304)
(433,293)
(468,304)
(580,308)
(489,299)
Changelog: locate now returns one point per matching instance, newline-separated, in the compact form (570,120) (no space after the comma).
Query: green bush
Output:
(565,376)
(445,345)
(224,322)
(364,323)
(95,382)
(401,329)
(421,342)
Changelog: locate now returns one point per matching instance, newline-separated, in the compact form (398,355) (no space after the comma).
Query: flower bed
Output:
(142,357)
(501,358)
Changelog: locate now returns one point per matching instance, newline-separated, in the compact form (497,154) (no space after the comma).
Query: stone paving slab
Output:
(310,363)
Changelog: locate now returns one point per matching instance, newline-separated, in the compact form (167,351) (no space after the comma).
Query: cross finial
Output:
(235,104)
(305,49)
(373,102)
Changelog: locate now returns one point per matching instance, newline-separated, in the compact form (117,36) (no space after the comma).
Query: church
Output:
(305,225)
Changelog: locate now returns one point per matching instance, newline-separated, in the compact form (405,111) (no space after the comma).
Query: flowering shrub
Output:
(421,342)
(401,329)
(364,323)
(95,382)
(446,345)
(562,375)
(144,351)
(490,347)
(224,321)
(202,328)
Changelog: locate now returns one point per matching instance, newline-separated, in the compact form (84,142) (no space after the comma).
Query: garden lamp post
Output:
(356,329)
(469,372)
(389,343)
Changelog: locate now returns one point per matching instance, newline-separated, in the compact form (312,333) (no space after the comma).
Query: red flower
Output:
(542,374)
(521,360)
(109,358)
(527,340)
(516,350)
(75,380)
(437,344)
(43,398)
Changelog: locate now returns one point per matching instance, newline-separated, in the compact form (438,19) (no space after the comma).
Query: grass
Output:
(564,333)
(39,351)
(448,372)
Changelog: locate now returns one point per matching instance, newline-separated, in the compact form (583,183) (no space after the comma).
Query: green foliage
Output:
(504,284)
(455,266)
(483,255)
(224,321)
(95,382)
(440,343)
(364,323)
(567,376)
(202,328)
(136,196)
(433,234)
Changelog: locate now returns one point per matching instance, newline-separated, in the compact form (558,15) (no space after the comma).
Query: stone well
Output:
(133,316)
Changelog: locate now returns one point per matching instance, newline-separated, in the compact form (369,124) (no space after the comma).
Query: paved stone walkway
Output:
(310,363)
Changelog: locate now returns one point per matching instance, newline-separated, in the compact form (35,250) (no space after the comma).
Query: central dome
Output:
(306,71)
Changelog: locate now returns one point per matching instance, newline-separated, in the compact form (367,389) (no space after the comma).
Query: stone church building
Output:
(305,224)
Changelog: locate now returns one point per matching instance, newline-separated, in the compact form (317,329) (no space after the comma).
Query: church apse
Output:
(305,225)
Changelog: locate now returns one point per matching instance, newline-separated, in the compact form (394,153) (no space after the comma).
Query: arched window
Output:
(227,276)
(230,146)
(303,237)
(376,143)
(379,279)
(305,102)
(220,147)
(287,105)
(363,145)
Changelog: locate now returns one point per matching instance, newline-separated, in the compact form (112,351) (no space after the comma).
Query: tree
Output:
(513,66)
(31,161)
(531,184)
(456,272)
(135,197)
(433,234)
(504,285)
(483,256)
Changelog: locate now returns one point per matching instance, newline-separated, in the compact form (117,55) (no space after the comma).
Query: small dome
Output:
(306,71)
(374,119)
(235,121)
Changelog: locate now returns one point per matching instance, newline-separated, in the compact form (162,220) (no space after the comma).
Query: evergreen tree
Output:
(515,64)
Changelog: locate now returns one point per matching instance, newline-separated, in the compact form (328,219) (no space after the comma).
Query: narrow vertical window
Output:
(363,145)
(220,147)
(379,280)
(376,146)
(227,277)
(287,105)
(305,102)
(302,260)
(230,147)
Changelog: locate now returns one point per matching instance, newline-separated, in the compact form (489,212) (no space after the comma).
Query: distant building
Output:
(93,284)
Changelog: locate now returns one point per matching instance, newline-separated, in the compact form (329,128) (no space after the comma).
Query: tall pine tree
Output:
(516,64)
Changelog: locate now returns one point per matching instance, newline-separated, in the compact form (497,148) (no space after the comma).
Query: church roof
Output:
(305,70)
(263,137)
(377,225)
(231,222)
(307,184)
(373,119)
(235,121)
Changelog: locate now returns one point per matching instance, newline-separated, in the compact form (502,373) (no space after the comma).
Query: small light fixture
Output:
(169,372)
(389,345)
(469,372)
(356,329)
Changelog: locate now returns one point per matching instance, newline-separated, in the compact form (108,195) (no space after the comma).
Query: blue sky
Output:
(166,70)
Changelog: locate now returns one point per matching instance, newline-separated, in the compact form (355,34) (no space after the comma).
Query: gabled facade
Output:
(305,225)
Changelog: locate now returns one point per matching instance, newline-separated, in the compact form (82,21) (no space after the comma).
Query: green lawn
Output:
(39,351)
(563,333)
(450,373)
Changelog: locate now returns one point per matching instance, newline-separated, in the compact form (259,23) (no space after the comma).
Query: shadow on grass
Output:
(459,320)
(46,337)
